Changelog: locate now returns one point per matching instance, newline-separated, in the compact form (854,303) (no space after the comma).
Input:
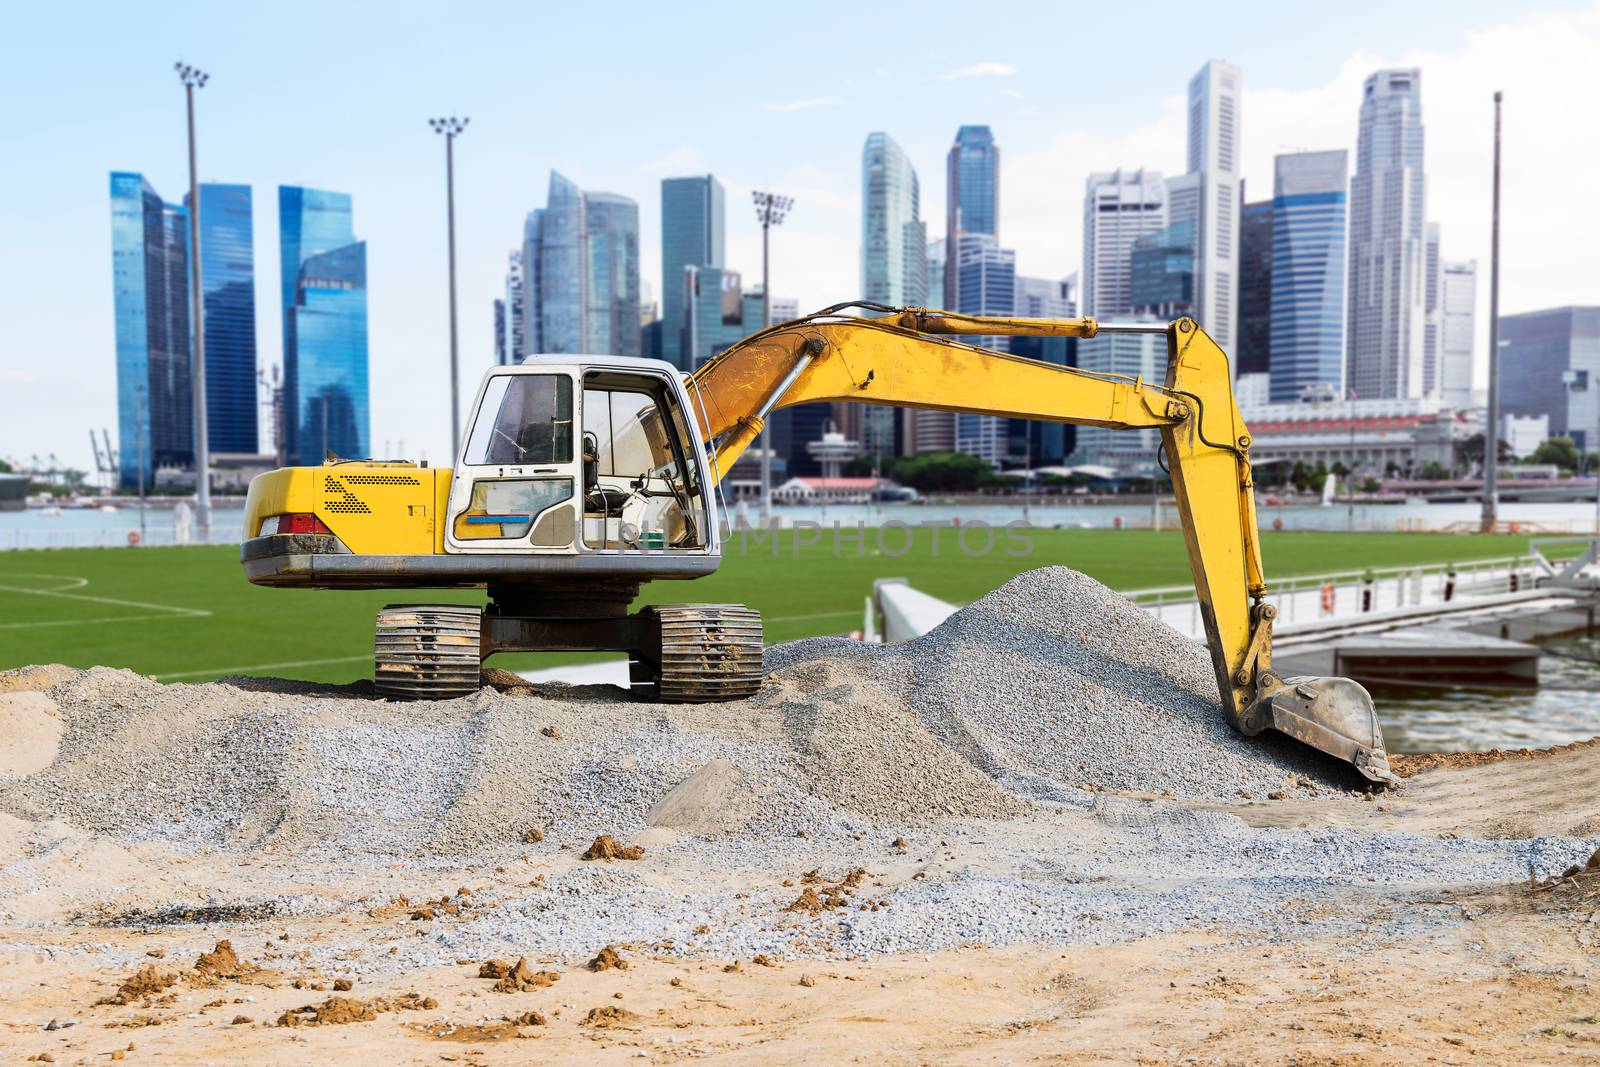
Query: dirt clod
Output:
(221,962)
(552,733)
(605,847)
(607,959)
(343,985)
(144,983)
(533,836)
(521,978)
(530,1018)
(807,981)
(610,1016)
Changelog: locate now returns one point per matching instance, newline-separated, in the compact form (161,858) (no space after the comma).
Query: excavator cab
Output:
(572,457)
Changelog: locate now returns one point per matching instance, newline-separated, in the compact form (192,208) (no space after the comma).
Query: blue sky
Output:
(337,95)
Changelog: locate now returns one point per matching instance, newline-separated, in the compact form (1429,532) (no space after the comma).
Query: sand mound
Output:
(30,726)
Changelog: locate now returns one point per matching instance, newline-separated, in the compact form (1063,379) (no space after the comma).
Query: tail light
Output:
(298,523)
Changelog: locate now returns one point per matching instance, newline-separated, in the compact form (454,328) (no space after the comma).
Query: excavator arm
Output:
(909,358)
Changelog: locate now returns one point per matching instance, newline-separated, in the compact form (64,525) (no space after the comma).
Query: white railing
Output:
(95,537)
(1328,595)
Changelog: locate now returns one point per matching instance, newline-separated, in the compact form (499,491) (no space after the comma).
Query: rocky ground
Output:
(1027,835)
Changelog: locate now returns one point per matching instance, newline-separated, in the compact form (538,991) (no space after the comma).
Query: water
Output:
(89,527)
(1565,708)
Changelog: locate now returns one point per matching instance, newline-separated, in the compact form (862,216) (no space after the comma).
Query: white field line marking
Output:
(263,667)
(166,611)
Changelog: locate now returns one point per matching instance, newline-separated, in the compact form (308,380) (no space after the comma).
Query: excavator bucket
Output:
(1333,715)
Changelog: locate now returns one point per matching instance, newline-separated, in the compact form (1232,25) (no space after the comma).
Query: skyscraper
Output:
(894,239)
(149,277)
(972,193)
(578,273)
(692,235)
(1388,206)
(1214,95)
(1432,316)
(986,284)
(894,270)
(1253,344)
(1458,284)
(1130,355)
(324,293)
(511,345)
(1161,272)
(1540,348)
(613,262)
(563,296)
(936,253)
(1119,207)
(1306,336)
(228,291)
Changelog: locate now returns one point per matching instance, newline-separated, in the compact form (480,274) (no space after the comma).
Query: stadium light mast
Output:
(770,211)
(452,128)
(194,78)
(1491,429)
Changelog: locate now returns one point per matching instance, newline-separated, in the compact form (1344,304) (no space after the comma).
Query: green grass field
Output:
(187,614)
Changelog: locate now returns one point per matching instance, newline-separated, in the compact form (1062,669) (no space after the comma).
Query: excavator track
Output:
(709,653)
(427,651)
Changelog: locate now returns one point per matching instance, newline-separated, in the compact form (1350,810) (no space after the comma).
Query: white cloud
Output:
(16,376)
(983,70)
(803,105)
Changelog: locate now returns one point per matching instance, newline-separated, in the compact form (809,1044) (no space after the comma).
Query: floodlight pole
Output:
(196,79)
(1491,431)
(770,211)
(451,128)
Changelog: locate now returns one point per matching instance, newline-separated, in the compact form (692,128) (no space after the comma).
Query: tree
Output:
(1370,485)
(1471,451)
(1434,472)
(1559,452)
(860,467)
(950,472)
(5,468)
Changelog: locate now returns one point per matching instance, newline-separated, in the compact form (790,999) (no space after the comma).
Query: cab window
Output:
(524,420)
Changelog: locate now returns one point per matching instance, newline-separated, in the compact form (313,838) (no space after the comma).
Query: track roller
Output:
(427,651)
(709,653)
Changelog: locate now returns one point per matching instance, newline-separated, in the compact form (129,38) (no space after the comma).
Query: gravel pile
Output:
(1054,683)
(1047,688)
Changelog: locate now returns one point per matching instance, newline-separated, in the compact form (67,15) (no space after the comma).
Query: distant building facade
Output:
(693,224)
(1252,353)
(1214,121)
(1119,207)
(510,339)
(1539,349)
(1307,323)
(894,239)
(972,193)
(228,294)
(1130,355)
(324,294)
(1458,286)
(1161,266)
(150,290)
(1388,204)
(986,284)
(612,262)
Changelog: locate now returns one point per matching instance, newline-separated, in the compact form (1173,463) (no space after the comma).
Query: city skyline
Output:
(918,102)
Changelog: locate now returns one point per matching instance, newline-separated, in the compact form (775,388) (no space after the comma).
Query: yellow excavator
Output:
(582,477)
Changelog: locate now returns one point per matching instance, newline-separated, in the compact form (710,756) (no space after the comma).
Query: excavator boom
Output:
(908,357)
